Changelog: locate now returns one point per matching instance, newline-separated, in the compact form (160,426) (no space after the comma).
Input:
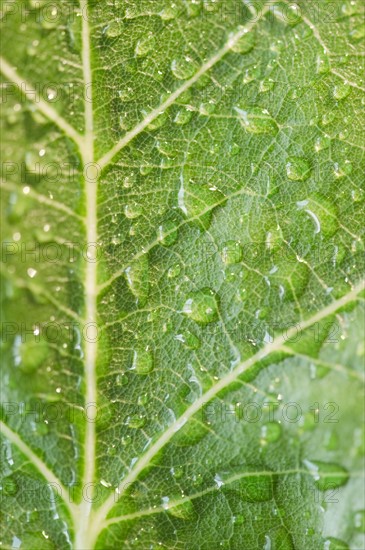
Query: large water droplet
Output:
(183,511)
(29,356)
(327,475)
(298,169)
(198,201)
(202,306)
(246,41)
(188,339)
(322,213)
(191,432)
(142,361)
(257,121)
(341,91)
(114,29)
(145,45)
(183,116)
(255,487)
(137,278)
(270,432)
(183,68)
(335,544)
(167,233)
(231,253)
(359,521)
(136,421)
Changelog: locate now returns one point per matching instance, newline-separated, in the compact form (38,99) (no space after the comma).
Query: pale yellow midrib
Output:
(83,515)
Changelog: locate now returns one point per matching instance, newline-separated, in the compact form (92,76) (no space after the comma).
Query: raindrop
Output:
(142,361)
(298,169)
(189,340)
(257,121)
(202,306)
(327,475)
(145,45)
(245,42)
(341,91)
(183,68)
(231,253)
(29,356)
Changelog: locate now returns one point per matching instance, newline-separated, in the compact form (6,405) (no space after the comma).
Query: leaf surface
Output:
(183,275)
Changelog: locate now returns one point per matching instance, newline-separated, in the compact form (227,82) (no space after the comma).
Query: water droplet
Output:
(246,41)
(298,169)
(359,521)
(322,212)
(202,306)
(341,91)
(114,29)
(257,121)
(169,12)
(174,271)
(183,511)
(231,253)
(342,169)
(137,278)
(207,108)
(145,45)
(321,143)
(129,181)
(266,85)
(188,339)
(323,64)
(9,486)
(289,279)
(255,487)
(358,33)
(270,432)
(132,210)
(327,118)
(183,116)
(349,8)
(29,356)
(142,361)
(167,233)
(121,379)
(183,68)
(327,475)
(136,421)
(335,544)
(191,432)
(198,201)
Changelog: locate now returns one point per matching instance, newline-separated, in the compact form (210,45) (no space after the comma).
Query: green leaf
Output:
(183,274)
